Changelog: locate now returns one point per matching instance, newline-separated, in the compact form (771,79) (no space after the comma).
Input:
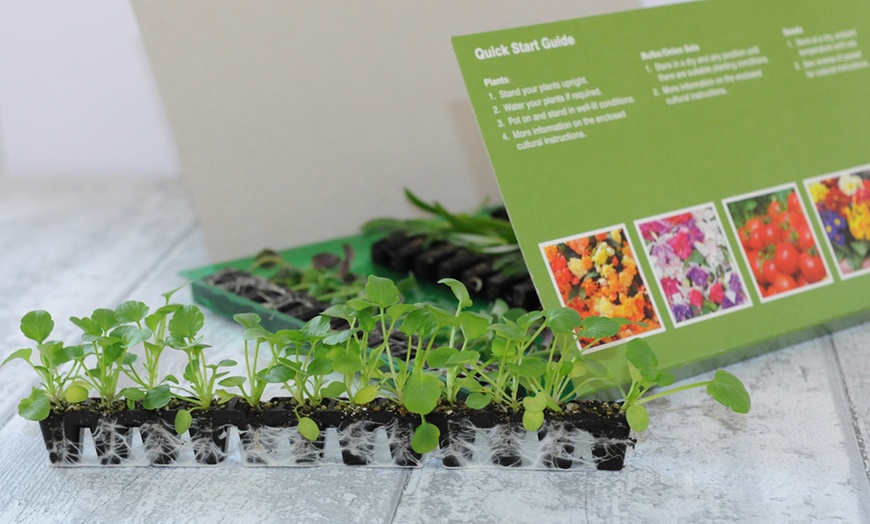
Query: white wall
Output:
(76,94)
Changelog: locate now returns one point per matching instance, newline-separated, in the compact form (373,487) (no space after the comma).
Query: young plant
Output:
(151,389)
(202,394)
(58,387)
(109,339)
(474,231)
(328,280)
(727,389)
(297,359)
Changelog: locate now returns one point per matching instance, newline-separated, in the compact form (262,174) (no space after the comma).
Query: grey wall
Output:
(296,121)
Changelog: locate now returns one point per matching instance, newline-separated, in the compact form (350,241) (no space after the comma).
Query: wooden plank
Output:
(791,459)
(853,348)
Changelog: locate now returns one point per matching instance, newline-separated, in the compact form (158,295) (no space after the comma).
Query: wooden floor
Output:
(70,247)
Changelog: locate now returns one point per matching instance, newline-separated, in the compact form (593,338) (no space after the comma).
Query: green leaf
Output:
(641,356)
(247,320)
(130,336)
(422,393)
(438,358)
(277,374)
(537,402)
(256,333)
(637,417)
(664,379)
(729,391)
(76,394)
(531,367)
(459,291)
(131,311)
(528,320)
(113,353)
(419,322)
(133,394)
(338,338)
(478,400)
(463,358)
(425,438)
(333,390)
(23,354)
(509,330)
(308,429)
(860,248)
(37,326)
(320,366)
(365,395)
(533,420)
(339,311)
(186,322)
(344,362)
(599,327)
(157,397)
(226,363)
(697,258)
(442,317)
(182,421)
(399,311)
(381,291)
(232,382)
(318,327)
(105,318)
(36,407)
(563,319)
(88,326)
(473,325)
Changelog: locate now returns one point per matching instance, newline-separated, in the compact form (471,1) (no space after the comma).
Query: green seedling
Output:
(58,387)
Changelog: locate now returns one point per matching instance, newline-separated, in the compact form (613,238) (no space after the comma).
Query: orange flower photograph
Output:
(597,274)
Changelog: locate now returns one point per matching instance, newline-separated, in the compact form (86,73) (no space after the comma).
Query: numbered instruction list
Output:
(552,112)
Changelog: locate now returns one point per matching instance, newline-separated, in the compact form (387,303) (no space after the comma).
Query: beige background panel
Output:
(297,121)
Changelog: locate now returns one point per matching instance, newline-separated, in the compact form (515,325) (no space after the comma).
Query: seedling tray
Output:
(228,304)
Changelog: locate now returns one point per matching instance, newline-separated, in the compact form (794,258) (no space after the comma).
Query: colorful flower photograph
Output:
(842,204)
(597,274)
(693,264)
(778,244)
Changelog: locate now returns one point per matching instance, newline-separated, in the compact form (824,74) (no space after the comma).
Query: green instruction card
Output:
(702,169)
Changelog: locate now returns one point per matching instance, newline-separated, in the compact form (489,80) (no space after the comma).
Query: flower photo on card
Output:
(842,204)
(778,243)
(597,274)
(693,264)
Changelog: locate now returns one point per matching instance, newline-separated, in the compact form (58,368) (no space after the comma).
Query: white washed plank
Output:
(34,492)
(853,353)
(791,459)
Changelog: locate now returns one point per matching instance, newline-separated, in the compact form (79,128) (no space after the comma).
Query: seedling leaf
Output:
(459,291)
(182,421)
(186,322)
(639,354)
(365,395)
(36,407)
(533,420)
(333,390)
(76,394)
(599,327)
(478,400)
(131,311)
(563,319)
(158,397)
(308,429)
(381,291)
(729,391)
(23,354)
(637,417)
(425,438)
(37,326)
(422,393)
